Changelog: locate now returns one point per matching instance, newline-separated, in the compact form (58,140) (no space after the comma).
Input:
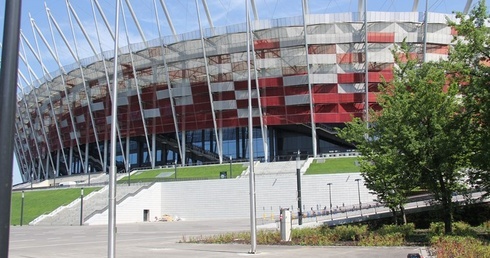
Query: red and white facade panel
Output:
(74,111)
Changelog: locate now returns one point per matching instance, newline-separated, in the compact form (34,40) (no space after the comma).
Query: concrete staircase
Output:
(277,168)
(99,178)
(96,202)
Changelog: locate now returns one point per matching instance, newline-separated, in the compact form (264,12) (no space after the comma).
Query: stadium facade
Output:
(184,98)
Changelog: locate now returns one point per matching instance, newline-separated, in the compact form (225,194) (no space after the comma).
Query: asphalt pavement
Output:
(163,239)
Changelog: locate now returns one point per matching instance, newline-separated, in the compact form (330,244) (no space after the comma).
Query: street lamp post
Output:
(298,185)
(129,174)
(231,175)
(22,209)
(175,169)
(81,206)
(359,195)
(330,198)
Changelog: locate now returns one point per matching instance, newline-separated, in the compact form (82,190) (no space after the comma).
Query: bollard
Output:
(285,221)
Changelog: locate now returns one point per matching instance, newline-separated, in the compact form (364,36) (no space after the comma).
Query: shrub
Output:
(436,229)
(485,227)
(457,246)
(267,237)
(312,240)
(298,233)
(463,229)
(391,239)
(405,230)
(241,237)
(312,236)
(349,233)
(459,229)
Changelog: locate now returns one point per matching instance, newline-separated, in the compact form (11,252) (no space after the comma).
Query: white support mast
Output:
(169,83)
(415,5)
(467,6)
(314,139)
(263,127)
(38,114)
(106,22)
(33,134)
(75,55)
(34,52)
(84,82)
(208,14)
(106,71)
(80,25)
(19,148)
(46,76)
(217,136)
(30,72)
(24,130)
(141,107)
(169,20)
(62,76)
(254,9)
(136,22)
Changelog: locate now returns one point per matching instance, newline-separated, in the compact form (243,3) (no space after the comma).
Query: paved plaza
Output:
(161,239)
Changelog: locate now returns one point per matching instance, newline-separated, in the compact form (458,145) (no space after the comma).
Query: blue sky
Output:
(183,14)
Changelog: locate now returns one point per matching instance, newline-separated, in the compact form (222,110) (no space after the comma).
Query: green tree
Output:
(472,52)
(416,140)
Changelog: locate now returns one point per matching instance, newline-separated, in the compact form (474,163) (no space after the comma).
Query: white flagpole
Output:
(253,227)
(366,64)
(111,252)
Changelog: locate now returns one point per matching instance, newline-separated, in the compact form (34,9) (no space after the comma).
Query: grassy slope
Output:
(209,172)
(37,203)
(332,166)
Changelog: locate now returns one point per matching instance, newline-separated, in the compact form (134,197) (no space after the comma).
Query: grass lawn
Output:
(204,172)
(37,203)
(333,166)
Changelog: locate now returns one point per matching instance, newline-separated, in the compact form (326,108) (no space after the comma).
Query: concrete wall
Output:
(229,198)
(131,209)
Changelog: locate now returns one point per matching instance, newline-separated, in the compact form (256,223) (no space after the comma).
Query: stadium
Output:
(184,98)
